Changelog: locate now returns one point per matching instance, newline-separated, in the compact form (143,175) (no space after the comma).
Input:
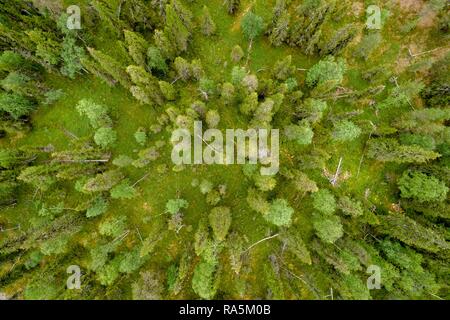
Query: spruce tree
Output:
(175,30)
(208,26)
(111,66)
(280,31)
(137,47)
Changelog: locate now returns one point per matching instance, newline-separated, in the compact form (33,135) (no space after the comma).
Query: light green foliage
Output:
(252,25)
(123,191)
(112,226)
(137,47)
(249,104)
(203,282)
(297,246)
(109,273)
(87,123)
(328,227)
(52,96)
(257,202)
(389,150)
(280,213)
(301,133)
(41,177)
(354,288)
(16,82)
(103,181)
(111,66)
(122,161)
(55,246)
(324,201)
(130,261)
(174,206)
(47,48)
(422,141)
(15,105)
(345,130)
(367,45)
(402,95)
(167,90)
(207,86)
(208,26)
(175,30)
(34,259)
(140,136)
(237,75)
(265,183)
(220,221)
(98,207)
(155,60)
(228,92)
(412,233)
(421,187)
(302,182)
(183,68)
(97,114)
(71,55)
(105,137)
(350,206)
(237,53)
(212,118)
(327,72)
(11,61)
(41,288)
(312,110)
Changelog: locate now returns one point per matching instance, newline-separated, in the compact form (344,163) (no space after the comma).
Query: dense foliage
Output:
(86,176)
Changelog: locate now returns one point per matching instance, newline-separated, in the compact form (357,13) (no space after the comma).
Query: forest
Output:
(92,206)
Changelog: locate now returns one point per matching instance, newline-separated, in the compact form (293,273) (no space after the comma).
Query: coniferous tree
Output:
(220,221)
(111,66)
(175,30)
(108,16)
(183,68)
(301,133)
(283,68)
(232,6)
(388,149)
(208,26)
(15,105)
(345,130)
(339,41)
(424,188)
(155,60)
(328,227)
(71,55)
(280,31)
(236,54)
(47,48)
(137,47)
(146,87)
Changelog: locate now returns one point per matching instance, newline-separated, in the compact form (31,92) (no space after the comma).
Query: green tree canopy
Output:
(174,206)
(252,25)
(328,227)
(421,187)
(280,213)
(324,201)
(220,221)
